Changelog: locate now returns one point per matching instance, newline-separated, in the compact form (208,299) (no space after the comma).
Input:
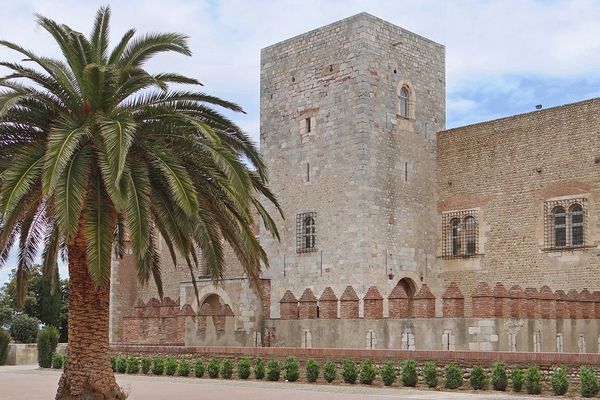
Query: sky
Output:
(503,57)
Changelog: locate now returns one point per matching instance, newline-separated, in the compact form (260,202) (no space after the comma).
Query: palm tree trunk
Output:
(88,373)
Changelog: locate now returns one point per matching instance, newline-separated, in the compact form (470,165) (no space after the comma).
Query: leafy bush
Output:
(199,369)
(367,373)
(453,376)
(243,368)
(170,366)
(259,368)
(121,365)
(430,374)
(113,363)
(4,340)
(478,378)
(388,373)
(312,370)
(226,369)
(499,376)
(24,328)
(560,381)
(133,365)
(273,370)
(57,361)
(588,382)
(533,380)
(183,369)
(329,371)
(349,371)
(146,364)
(517,379)
(291,369)
(47,340)
(408,373)
(158,366)
(213,368)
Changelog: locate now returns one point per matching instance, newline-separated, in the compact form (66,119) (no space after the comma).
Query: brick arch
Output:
(208,291)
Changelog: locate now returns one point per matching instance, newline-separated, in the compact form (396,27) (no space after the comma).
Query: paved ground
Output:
(28,382)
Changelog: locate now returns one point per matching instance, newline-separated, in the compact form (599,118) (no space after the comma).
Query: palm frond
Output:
(99,37)
(70,194)
(141,49)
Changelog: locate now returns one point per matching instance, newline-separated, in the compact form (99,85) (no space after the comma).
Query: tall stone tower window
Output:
(565,224)
(404,102)
(460,235)
(306,232)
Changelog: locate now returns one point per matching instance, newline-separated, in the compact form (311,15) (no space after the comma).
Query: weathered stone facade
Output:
(406,234)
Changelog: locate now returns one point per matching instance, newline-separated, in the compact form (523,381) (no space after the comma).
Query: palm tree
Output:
(94,148)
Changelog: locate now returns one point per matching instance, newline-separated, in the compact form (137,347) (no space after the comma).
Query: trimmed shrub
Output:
(170,366)
(121,364)
(158,366)
(4,340)
(24,328)
(243,368)
(291,369)
(533,380)
(57,361)
(312,370)
(408,373)
(430,374)
(349,371)
(146,365)
(588,382)
(183,369)
(133,365)
(329,371)
(226,369)
(199,368)
(367,373)
(499,376)
(273,370)
(388,373)
(560,381)
(478,378)
(259,369)
(47,340)
(213,368)
(516,377)
(453,376)
(113,363)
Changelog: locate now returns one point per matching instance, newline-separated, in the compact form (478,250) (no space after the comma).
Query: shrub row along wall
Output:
(500,302)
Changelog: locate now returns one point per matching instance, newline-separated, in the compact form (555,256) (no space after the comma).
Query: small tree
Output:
(430,374)
(329,371)
(453,376)
(24,328)
(517,379)
(367,373)
(408,374)
(259,369)
(47,340)
(388,373)
(588,382)
(226,369)
(291,369)
(183,369)
(273,370)
(533,380)
(478,378)
(499,376)
(199,368)
(560,381)
(312,370)
(243,368)
(349,371)
(213,368)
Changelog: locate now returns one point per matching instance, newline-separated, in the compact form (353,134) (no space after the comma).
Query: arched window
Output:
(309,233)
(455,225)
(560,227)
(404,102)
(306,232)
(577,225)
(470,235)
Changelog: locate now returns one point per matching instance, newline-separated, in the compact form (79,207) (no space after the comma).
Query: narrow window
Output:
(470,235)
(306,232)
(405,172)
(307,172)
(404,102)
(577,225)
(308,127)
(455,237)
(560,227)
(309,232)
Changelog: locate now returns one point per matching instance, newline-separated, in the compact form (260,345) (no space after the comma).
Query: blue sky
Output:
(502,57)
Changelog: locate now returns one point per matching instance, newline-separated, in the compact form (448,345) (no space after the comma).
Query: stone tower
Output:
(349,116)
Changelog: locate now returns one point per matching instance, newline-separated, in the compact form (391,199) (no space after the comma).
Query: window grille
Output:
(565,223)
(306,232)
(460,234)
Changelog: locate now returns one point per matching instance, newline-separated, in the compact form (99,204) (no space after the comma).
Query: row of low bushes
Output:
(530,379)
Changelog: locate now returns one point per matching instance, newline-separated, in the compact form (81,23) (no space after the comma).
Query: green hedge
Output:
(4,340)
(47,340)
